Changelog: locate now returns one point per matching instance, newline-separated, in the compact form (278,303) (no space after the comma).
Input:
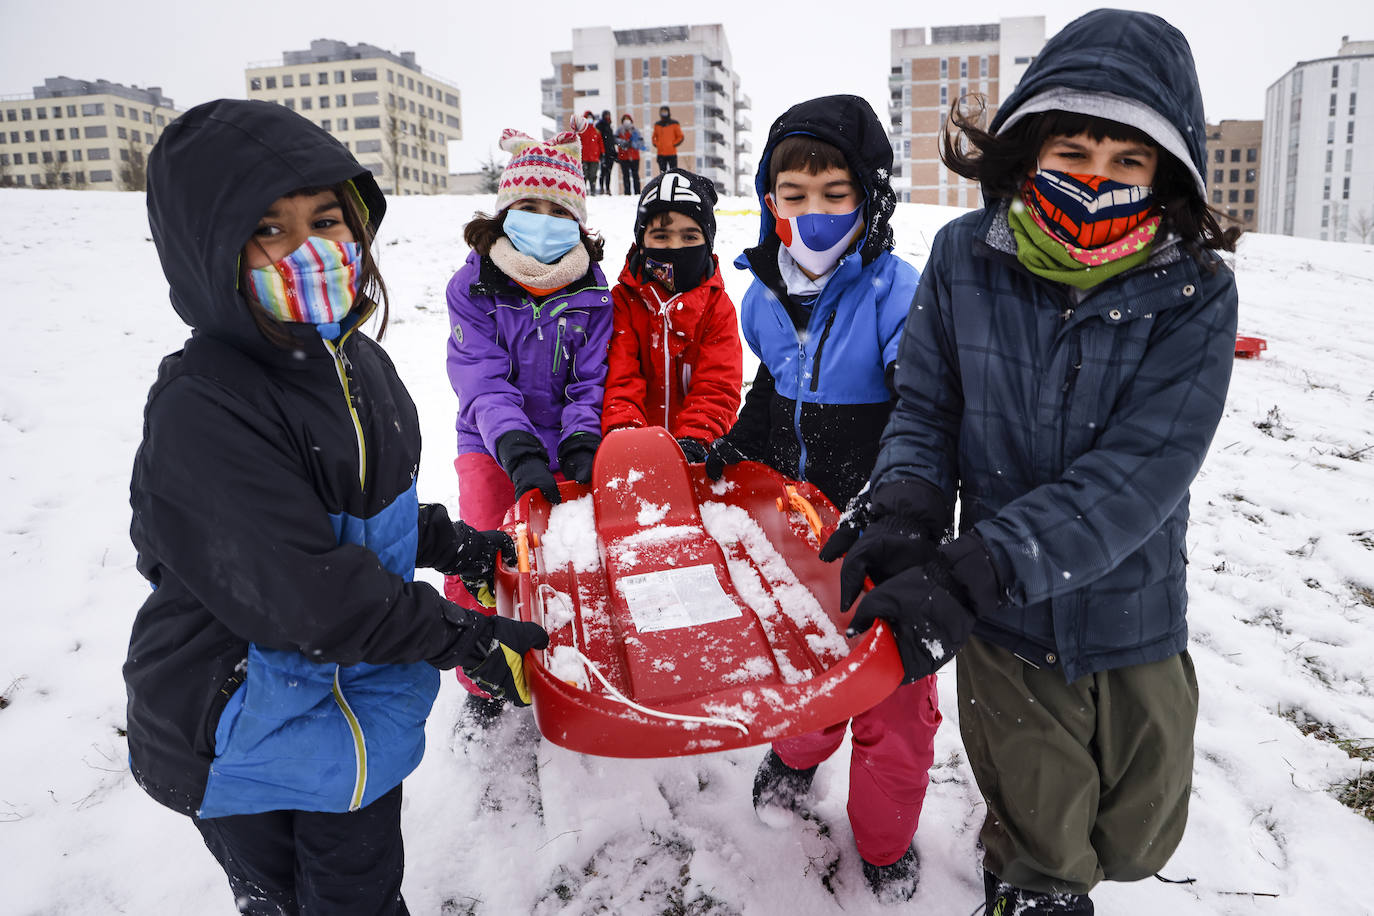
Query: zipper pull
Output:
(1067,314)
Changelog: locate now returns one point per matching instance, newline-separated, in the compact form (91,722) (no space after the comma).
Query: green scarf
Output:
(1046,256)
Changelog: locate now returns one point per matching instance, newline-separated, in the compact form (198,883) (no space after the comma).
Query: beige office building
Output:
(929,71)
(78,134)
(393,116)
(635,71)
(1233,163)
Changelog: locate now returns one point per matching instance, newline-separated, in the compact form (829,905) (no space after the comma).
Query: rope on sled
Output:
(616,694)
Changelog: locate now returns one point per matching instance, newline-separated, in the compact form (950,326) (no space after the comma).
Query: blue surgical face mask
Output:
(544,238)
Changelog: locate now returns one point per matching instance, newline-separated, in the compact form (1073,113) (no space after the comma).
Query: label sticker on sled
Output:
(674,598)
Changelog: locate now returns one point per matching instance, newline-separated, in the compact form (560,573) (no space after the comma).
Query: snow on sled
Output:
(684,615)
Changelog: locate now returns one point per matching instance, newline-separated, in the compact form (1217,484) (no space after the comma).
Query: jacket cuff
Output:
(913,504)
(517,445)
(577,442)
(971,566)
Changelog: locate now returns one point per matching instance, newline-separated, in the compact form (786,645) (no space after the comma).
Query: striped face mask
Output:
(1087,210)
(315,284)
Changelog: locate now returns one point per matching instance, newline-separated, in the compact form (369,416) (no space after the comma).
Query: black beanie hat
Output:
(678,191)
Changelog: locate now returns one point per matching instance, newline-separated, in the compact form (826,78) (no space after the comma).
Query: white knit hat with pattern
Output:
(543,170)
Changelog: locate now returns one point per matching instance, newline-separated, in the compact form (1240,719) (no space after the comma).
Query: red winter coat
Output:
(693,388)
(592,147)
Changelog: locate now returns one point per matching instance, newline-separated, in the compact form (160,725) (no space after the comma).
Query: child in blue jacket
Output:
(824,314)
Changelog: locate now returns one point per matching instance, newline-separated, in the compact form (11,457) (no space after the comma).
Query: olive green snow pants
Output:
(1084,781)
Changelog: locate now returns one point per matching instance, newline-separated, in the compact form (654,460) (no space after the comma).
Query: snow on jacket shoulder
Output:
(675,361)
(520,364)
(1074,465)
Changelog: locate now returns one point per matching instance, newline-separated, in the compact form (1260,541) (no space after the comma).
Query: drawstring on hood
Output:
(211,176)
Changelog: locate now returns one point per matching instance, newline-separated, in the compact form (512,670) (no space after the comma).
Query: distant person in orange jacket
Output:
(667,137)
(592,147)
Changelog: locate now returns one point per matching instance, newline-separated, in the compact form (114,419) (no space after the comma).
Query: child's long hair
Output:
(372,292)
(483,230)
(1002,162)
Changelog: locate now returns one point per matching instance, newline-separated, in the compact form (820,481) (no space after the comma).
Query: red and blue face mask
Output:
(1087,211)
(315,284)
(816,241)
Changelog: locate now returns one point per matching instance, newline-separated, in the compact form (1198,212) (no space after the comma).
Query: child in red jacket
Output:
(675,359)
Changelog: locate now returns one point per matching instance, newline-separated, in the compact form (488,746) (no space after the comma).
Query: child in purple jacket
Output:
(530,321)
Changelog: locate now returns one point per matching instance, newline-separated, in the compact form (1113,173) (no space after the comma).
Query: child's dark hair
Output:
(482,231)
(1001,163)
(372,292)
(803,153)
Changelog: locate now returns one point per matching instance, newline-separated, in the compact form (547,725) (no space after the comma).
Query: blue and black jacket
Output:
(822,393)
(285,659)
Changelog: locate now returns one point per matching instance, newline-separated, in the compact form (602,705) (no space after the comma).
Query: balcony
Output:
(742,122)
(743,103)
(713,87)
(743,147)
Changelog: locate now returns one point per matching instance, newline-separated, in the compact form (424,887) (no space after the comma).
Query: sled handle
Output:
(522,548)
(802,505)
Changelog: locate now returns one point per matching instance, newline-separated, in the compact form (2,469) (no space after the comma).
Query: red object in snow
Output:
(674,660)
(1250,347)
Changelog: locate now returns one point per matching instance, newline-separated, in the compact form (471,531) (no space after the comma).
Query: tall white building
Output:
(1318,177)
(635,71)
(81,134)
(928,73)
(394,117)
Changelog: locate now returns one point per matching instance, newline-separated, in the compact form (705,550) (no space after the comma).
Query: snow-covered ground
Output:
(1282,583)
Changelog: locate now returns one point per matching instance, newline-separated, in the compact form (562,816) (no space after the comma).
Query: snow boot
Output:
(1005,900)
(895,883)
(777,785)
(481,712)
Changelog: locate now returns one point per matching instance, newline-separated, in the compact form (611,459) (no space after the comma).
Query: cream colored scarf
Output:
(533,274)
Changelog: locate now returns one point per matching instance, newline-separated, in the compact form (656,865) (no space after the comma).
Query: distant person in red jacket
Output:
(592,147)
(628,145)
(675,359)
(667,137)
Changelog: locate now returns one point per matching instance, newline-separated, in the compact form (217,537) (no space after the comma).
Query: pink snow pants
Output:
(892,748)
(484,494)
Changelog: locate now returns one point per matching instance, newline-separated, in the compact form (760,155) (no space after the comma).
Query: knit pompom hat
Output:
(543,170)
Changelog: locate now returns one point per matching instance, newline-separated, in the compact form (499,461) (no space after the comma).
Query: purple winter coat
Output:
(520,365)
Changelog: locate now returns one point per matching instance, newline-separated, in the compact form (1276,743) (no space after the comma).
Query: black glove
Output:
(853,521)
(694,450)
(886,549)
(576,454)
(525,461)
(491,652)
(721,453)
(472,557)
(929,613)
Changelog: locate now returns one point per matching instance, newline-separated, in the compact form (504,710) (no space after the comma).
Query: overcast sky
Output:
(496,52)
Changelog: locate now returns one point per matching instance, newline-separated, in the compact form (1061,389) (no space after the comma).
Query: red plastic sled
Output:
(1250,347)
(668,657)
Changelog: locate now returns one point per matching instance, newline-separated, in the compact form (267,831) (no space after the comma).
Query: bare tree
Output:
(491,174)
(133,174)
(423,148)
(6,179)
(1362,224)
(393,129)
(51,170)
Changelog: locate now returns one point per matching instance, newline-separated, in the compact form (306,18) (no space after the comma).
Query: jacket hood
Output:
(1125,66)
(848,123)
(211,176)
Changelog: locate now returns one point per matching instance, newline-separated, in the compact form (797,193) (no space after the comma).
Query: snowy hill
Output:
(1282,615)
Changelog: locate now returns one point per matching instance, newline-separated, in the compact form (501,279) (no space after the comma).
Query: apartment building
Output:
(395,118)
(1233,156)
(635,71)
(80,134)
(930,69)
(1319,145)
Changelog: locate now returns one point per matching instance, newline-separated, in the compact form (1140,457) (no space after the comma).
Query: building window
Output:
(1219,156)
(61,134)
(71,111)
(1232,196)
(322,78)
(1235,155)
(343,123)
(1218,175)
(1250,176)
(1331,132)
(271,82)
(410,83)
(97,132)
(367,123)
(147,117)
(305,80)
(1249,195)
(91,110)
(255,84)
(288,81)
(338,76)
(327,124)
(123,134)
(1252,154)
(102,175)
(1352,104)
(306,103)
(963,68)
(983,67)
(340,101)
(944,96)
(76,155)
(1350,132)
(1335,78)
(944,68)
(43,136)
(1332,111)
(99,152)
(364,98)
(368,146)
(76,133)
(1235,174)
(365,75)
(290,104)
(28,136)
(28,115)
(1249,216)
(1216,196)
(324,101)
